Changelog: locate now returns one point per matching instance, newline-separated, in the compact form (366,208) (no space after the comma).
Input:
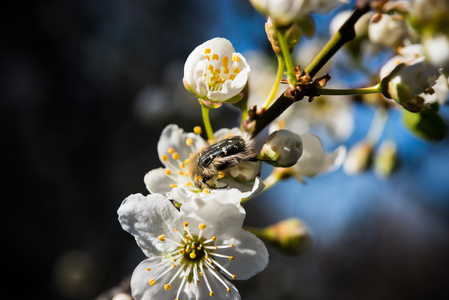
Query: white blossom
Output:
(389,31)
(409,79)
(283,148)
(215,73)
(177,149)
(285,12)
(192,253)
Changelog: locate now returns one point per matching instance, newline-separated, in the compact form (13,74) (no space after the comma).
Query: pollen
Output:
(221,174)
(175,156)
(171,150)
(189,141)
(197,129)
(164,157)
(167,287)
(167,172)
(161,237)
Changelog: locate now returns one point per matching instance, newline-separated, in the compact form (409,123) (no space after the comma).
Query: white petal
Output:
(157,181)
(147,217)
(313,155)
(250,255)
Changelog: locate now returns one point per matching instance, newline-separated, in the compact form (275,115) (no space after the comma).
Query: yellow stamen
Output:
(206,191)
(180,173)
(234,277)
(232,77)
(172,185)
(237,70)
(189,184)
(215,57)
(207,51)
(171,150)
(232,245)
(192,255)
(228,290)
(186,224)
(187,161)
(231,257)
(182,165)
(211,294)
(164,157)
(213,238)
(189,141)
(198,178)
(235,58)
(161,237)
(152,281)
(229,135)
(175,156)
(197,129)
(148,269)
(202,226)
(167,172)
(221,174)
(226,71)
(167,287)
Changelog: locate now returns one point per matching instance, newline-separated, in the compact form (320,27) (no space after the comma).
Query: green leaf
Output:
(426,124)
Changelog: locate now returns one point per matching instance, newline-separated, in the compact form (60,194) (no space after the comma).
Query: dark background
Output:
(86,88)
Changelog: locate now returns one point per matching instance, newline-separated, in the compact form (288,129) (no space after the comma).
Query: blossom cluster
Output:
(190,225)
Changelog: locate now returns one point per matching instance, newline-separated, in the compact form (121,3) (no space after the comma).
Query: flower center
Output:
(193,260)
(219,71)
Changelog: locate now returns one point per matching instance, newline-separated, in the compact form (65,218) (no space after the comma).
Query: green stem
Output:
(342,36)
(206,121)
(280,72)
(287,56)
(358,91)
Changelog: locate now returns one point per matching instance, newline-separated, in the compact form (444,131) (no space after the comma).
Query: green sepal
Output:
(426,124)
(307,25)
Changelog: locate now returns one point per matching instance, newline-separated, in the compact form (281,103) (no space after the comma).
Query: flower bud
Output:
(283,148)
(385,159)
(388,31)
(289,235)
(293,35)
(359,158)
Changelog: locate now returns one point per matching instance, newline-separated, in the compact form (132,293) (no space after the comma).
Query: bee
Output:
(220,156)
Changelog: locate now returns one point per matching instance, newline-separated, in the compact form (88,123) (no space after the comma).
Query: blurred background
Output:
(87,87)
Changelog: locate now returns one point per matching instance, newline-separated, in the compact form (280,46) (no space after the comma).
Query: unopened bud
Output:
(293,35)
(385,159)
(289,235)
(283,148)
(359,158)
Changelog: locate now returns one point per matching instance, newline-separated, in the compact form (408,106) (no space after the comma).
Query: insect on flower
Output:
(210,163)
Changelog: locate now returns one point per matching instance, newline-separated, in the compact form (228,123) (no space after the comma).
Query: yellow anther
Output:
(231,257)
(216,248)
(237,70)
(167,172)
(187,161)
(171,150)
(232,77)
(234,277)
(201,273)
(226,71)
(189,141)
(172,185)
(202,226)
(167,287)
(210,68)
(215,57)
(218,71)
(188,250)
(197,129)
(161,237)
(208,58)
(281,124)
(207,51)
(206,191)
(192,255)
(188,238)
(221,174)
(229,135)
(180,173)
(175,156)
(175,229)
(186,224)
(182,165)
(174,266)
(235,58)
(232,245)
(164,157)
(228,290)
(187,173)
(225,60)
(175,259)
(213,238)
(211,294)
(152,281)
(181,252)
(148,269)
(198,248)
(198,178)
(189,184)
